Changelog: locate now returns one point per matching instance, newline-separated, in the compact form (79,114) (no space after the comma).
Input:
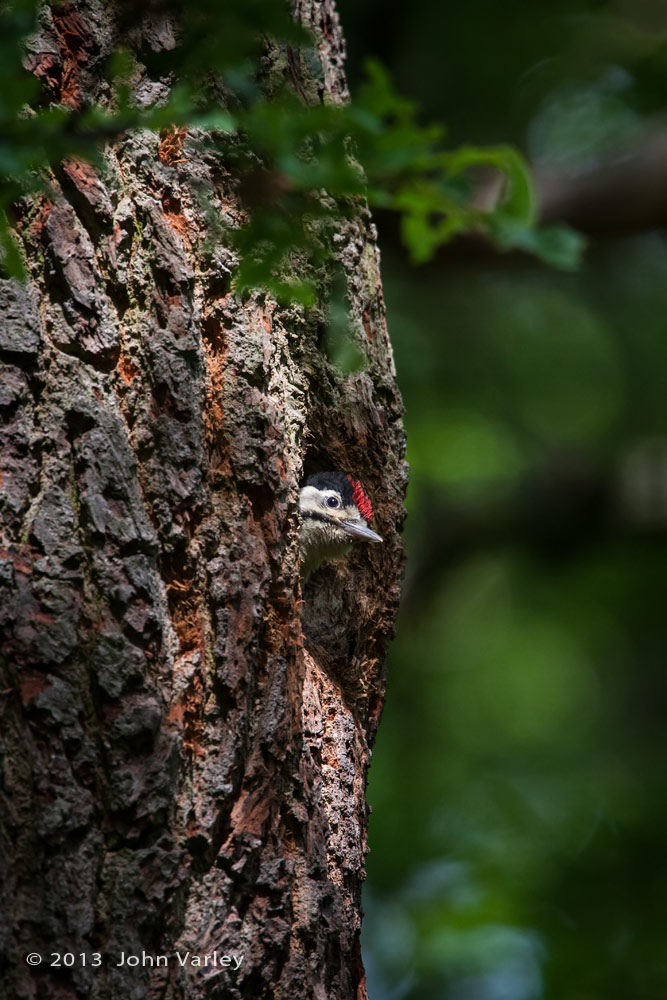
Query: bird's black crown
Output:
(350,489)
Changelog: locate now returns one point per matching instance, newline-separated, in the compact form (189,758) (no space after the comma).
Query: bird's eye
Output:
(331,501)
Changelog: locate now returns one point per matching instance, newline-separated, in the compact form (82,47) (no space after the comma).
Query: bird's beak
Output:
(358,530)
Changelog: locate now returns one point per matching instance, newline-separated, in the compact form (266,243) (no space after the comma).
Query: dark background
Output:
(519,829)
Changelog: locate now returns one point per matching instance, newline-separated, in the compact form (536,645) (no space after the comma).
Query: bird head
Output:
(335,511)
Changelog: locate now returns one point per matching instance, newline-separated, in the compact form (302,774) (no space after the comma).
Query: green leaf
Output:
(518,201)
(558,246)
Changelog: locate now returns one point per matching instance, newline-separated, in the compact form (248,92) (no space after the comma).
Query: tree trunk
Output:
(185,733)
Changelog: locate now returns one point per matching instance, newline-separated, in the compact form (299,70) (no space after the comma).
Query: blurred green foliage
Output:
(317,159)
(517,840)
(519,815)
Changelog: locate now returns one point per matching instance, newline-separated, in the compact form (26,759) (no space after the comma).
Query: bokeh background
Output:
(519,828)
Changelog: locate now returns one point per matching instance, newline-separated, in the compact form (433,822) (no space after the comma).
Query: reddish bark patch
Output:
(18,556)
(212,333)
(366,320)
(193,737)
(171,146)
(33,684)
(77,45)
(253,809)
(127,368)
(82,174)
(185,608)
(187,712)
(171,206)
(46,66)
(186,617)
(215,349)
(37,224)
(85,179)
(177,712)
(192,827)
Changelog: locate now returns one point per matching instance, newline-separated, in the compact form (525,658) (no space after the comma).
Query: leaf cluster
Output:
(305,165)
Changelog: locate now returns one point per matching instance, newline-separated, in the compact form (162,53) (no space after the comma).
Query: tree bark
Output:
(185,734)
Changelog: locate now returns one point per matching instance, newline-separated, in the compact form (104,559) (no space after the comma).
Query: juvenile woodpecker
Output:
(335,510)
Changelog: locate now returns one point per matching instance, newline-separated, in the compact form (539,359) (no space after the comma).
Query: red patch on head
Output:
(361,499)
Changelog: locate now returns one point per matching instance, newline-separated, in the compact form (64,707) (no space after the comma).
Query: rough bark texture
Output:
(185,735)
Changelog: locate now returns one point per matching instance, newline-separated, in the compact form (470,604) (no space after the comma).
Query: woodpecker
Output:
(335,510)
